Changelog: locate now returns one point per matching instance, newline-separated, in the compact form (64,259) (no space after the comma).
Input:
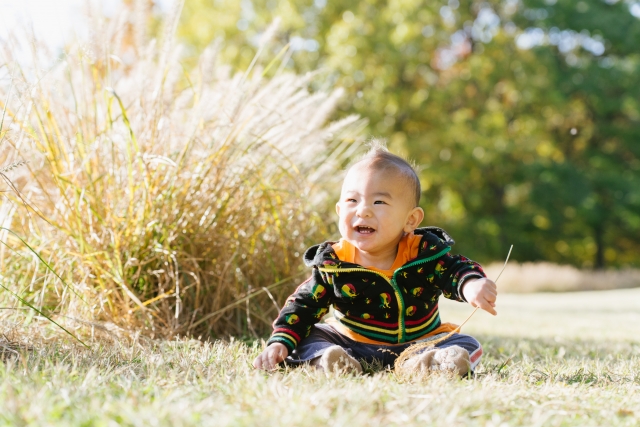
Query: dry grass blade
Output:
(265,289)
(4,170)
(421,346)
(166,195)
(25,302)
(531,277)
(12,166)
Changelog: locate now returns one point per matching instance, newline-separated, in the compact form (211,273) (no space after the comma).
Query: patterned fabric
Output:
(390,310)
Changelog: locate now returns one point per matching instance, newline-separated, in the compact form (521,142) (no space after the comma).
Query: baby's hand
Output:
(271,356)
(481,293)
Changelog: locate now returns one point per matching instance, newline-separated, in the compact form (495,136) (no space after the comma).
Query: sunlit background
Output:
(523,116)
(54,22)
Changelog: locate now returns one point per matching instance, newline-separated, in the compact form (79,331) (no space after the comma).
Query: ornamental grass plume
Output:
(165,198)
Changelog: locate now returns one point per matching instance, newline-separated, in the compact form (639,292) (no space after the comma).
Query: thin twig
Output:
(273,300)
(415,348)
(241,300)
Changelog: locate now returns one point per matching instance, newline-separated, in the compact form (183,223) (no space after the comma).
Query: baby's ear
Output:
(338,208)
(414,219)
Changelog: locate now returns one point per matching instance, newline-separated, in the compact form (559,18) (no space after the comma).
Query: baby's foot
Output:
(336,359)
(420,363)
(452,359)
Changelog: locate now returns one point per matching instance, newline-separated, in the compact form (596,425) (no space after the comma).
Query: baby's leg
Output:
(325,349)
(459,353)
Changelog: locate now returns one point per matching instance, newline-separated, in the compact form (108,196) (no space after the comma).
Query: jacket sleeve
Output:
(305,307)
(451,273)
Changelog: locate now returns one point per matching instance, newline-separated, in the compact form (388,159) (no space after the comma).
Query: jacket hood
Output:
(318,253)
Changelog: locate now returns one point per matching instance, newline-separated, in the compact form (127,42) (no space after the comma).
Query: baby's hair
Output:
(379,158)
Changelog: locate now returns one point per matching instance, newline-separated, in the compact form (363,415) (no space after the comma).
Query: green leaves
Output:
(522,116)
(27,303)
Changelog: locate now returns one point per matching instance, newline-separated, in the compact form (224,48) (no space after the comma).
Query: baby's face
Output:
(376,208)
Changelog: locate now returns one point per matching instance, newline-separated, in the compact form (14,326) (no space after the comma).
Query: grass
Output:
(166,200)
(548,375)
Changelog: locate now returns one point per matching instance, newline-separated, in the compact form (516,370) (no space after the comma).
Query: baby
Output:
(383,278)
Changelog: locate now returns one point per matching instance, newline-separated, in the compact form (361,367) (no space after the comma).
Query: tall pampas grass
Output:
(168,200)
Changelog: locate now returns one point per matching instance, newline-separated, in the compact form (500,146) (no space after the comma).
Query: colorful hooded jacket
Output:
(387,310)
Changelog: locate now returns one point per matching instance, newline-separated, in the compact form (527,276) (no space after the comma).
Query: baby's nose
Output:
(363,211)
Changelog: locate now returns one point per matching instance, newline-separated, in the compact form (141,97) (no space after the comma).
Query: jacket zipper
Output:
(403,332)
(396,291)
(393,283)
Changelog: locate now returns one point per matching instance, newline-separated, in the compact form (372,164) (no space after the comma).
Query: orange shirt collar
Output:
(407,250)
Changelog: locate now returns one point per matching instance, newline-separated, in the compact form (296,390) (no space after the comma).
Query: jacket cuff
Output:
(462,281)
(283,338)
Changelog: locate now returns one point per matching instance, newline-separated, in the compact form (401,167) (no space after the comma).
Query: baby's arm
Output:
(481,292)
(303,309)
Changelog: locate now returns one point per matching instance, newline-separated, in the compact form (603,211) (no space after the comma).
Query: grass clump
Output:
(160,196)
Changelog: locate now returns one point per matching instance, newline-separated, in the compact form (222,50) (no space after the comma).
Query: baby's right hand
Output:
(271,357)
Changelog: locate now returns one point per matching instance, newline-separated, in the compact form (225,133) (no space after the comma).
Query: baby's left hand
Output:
(481,292)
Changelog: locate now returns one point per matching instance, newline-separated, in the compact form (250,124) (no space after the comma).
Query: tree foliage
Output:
(523,116)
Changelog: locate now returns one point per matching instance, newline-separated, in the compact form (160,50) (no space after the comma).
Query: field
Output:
(150,190)
(557,359)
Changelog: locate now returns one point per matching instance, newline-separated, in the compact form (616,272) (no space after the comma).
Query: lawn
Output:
(550,360)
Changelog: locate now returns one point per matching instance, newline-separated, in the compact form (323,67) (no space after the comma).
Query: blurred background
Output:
(522,116)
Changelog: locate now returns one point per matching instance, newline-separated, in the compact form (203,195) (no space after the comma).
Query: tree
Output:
(522,116)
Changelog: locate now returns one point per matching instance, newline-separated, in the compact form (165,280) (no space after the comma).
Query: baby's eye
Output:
(379,202)
(351,200)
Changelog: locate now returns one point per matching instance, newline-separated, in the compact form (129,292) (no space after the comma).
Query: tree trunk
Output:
(599,239)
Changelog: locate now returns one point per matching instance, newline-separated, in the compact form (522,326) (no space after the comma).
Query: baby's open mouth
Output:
(364,229)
